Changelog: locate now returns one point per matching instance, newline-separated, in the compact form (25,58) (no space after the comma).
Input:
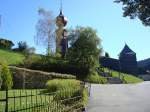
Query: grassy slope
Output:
(10,57)
(127,77)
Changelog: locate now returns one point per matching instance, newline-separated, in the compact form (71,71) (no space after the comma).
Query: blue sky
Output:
(19,18)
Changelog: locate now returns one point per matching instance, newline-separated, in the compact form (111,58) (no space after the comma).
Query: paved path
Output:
(120,98)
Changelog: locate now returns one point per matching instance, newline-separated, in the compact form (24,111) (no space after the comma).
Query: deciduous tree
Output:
(137,8)
(45,30)
(85,51)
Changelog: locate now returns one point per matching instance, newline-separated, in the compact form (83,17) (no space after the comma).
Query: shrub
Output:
(22,46)
(30,59)
(6,77)
(62,84)
(56,64)
(85,97)
(0,80)
(65,88)
(6,44)
(95,78)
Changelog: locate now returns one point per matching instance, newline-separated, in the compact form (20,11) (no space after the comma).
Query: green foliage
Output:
(65,84)
(22,46)
(84,53)
(73,35)
(131,79)
(95,78)
(85,97)
(6,44)
(137,8)
(65,88)
(58,65)
(127,78)
(30,59)
(0,80)
(10,57)
(107,55)
(6,77)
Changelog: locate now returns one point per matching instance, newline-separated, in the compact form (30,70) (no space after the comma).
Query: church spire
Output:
(61,8)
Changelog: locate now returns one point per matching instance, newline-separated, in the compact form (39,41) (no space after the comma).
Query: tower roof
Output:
(61,19)
(127,50)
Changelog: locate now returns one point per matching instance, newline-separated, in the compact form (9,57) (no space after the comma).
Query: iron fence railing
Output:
(38,100)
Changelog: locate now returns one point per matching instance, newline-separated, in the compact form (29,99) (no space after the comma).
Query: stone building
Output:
(127,62)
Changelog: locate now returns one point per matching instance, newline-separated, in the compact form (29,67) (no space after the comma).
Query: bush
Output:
(6,44)
(0,81)
(58,65)
(6,77)
(68,88)
(95,78)
(85,97)
(64,84)
(65,88)
(30,59)
(22,46)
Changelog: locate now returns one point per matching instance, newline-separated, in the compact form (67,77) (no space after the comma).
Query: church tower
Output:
(61,22)
(128,61)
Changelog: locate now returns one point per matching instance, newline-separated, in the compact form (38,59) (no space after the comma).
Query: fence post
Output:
(6,106)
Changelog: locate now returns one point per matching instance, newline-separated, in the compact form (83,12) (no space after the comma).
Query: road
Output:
(120,98)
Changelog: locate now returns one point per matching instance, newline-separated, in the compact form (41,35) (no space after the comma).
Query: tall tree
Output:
(85,50)
(73,35)
(45,30)
(137,8)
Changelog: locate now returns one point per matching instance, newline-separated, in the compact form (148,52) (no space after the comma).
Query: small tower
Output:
(128,61)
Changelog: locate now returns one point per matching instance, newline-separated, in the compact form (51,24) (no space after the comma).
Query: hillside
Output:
(126,78)
(144,65)
(10,57)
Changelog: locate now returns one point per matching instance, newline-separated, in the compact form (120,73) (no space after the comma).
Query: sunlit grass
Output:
(11,57)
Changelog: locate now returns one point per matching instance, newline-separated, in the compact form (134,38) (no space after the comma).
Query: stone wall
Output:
(26,78)
(109,63)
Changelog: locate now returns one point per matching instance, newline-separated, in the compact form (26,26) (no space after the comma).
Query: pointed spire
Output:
(126,50)
(61,8)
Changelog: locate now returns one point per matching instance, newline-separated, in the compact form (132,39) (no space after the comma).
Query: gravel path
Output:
(120,98)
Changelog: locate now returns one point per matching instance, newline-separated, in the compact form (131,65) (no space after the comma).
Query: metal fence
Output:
(38,100)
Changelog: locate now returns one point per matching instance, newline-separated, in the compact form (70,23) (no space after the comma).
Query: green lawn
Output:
(20,103)
(10,57)
(127,77)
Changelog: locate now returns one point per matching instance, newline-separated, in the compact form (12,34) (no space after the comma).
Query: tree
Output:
(137,8)
(85,51)
(45,30)
(6,77)
(107,55)
(22,46)
(73,35)
(6,44)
